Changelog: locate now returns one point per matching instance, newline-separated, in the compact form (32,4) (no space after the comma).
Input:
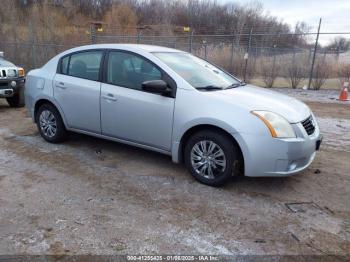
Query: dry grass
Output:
(281,82)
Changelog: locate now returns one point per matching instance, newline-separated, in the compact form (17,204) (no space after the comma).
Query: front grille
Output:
(309,125)
(4,84)
(8,73)
(3,73)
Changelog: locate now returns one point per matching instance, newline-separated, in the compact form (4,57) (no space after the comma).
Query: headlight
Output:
(20,72)
(278,125)
(11,73)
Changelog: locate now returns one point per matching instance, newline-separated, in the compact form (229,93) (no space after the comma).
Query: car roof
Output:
(130,47)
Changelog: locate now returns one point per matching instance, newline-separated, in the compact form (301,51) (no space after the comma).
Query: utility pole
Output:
(190,32)
(92,33)
(314,55)
(205,49)
(246,56)
(138,39)
(191,41)
(33,36)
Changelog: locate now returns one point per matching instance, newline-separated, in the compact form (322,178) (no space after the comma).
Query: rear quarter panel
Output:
(38,86)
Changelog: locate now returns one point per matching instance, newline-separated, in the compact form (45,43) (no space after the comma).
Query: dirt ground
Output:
(90,196)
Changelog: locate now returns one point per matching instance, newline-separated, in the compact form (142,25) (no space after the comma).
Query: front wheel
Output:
(212,157)
(50,124)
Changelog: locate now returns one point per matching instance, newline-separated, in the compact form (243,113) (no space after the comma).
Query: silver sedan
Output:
(174,103)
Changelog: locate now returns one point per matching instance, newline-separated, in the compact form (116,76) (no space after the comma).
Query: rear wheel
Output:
(17,100)
(212,157)
(50,124)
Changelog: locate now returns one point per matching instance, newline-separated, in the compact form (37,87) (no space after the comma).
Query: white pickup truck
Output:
(11,83)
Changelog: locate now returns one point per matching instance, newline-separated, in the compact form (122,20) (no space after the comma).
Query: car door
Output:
(77,90)
(128,112)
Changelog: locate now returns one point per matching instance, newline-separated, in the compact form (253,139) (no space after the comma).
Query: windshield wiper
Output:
(236,85)
(209,87)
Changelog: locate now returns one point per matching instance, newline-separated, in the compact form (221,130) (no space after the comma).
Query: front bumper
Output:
(11,86)
(6,93)
(265,156)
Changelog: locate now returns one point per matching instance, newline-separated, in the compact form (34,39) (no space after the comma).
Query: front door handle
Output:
(109,97)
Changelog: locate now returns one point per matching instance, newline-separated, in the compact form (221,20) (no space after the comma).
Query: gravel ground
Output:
(90,196)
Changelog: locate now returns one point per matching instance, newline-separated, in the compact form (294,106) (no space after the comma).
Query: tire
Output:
(17,100)
(50,124)
(223,167)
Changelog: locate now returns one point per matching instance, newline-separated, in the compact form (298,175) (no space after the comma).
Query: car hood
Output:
(256,98)
(4,63)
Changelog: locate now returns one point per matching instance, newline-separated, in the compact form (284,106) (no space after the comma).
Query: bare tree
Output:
(322,71)
(343,72)
(269,71)
(340,44)
(65,23)
(295,72)
(122,18)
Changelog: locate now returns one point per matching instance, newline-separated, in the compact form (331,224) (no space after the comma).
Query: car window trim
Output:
(172,86)
(100,74)
(61,64)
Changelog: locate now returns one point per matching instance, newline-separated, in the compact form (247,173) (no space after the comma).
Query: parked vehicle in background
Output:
(11,83)
(174,103)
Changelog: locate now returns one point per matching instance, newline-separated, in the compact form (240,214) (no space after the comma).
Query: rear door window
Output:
(83,65)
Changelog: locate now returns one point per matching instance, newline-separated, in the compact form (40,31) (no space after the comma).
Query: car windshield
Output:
(3,62)
(198,72)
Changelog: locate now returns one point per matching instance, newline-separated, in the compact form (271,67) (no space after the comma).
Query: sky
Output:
(335,13)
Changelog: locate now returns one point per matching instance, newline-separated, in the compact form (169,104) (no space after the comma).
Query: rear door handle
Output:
(109,97)
(61,85)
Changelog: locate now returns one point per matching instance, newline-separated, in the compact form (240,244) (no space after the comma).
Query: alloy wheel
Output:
(48,123)
(208,159)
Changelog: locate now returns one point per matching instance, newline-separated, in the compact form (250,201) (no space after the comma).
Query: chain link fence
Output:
(262,58)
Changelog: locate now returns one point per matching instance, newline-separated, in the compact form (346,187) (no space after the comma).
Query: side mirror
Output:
(155,86)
